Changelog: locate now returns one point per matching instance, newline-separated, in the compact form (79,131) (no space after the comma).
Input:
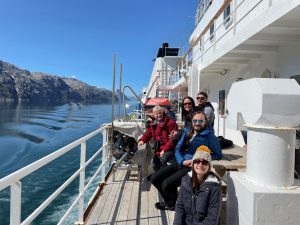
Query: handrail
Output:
(137,97)
(231,27)
(13,180)
(215,40)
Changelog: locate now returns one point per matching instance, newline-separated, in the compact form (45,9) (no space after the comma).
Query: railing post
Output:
(81,183)
(104,143)
(215,36)
(234,8)
(15,203)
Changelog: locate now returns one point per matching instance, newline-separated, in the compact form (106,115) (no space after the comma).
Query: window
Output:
(227,16)
(201,43)
(211,32)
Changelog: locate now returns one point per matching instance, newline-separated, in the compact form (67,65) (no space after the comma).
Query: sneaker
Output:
(165,206)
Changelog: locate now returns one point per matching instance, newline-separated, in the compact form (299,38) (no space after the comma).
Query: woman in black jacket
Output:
(199,200)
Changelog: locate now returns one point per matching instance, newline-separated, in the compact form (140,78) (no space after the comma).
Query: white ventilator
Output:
(270,110)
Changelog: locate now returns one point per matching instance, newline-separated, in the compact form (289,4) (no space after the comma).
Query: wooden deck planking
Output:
(107,210)
(234,158)
(128,201)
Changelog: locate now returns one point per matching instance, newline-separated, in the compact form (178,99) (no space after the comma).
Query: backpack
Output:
(225,143)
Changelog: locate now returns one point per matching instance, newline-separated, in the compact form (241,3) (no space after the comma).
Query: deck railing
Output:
(13,180)
(208,40)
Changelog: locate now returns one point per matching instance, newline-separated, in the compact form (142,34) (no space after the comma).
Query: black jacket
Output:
(201,208)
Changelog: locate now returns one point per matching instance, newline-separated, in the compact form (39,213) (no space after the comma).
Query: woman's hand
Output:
(173,134)
(161,153)
(187,163)
(140,143)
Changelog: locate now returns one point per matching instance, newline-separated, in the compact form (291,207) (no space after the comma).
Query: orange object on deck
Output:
(158,101)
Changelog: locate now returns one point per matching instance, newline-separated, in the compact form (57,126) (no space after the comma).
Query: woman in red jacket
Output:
(160,129)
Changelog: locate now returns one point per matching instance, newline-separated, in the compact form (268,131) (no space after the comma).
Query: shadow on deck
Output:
(128,201)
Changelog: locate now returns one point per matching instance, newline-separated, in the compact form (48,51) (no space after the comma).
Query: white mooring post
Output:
(267,192)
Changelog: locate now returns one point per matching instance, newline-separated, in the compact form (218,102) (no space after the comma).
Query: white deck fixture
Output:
(267,193)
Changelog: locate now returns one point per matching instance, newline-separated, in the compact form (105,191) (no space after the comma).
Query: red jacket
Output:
(160,132)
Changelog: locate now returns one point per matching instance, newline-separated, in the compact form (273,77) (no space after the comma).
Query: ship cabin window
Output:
(201,43)
(212,32)
(227,16)
(202,7)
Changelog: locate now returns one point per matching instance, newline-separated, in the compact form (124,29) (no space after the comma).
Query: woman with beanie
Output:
(199,200)
(167,179)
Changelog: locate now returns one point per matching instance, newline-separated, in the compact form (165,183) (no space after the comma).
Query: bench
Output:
(234,159)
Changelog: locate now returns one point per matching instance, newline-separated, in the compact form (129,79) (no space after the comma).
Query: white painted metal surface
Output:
(13,180)
(250,204)
(267,192)
(270,109)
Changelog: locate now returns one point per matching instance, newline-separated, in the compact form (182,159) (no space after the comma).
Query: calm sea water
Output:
(28,133)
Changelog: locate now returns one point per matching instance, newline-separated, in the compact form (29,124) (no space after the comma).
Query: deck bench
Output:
(234,159)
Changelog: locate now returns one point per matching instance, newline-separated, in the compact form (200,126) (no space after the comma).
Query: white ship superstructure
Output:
(239,52)
(255,43)
(233,41)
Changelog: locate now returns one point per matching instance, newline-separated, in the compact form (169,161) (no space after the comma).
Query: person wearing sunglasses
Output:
(187,108)
(167,179)
(206,107)
(199,199)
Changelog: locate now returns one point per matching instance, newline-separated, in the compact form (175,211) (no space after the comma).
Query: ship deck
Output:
(127,198)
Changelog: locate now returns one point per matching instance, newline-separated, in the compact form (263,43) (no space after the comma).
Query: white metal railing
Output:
(13,180)
(229,24)
(201,9)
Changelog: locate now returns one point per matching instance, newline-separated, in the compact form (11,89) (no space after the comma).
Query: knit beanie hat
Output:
(202,152)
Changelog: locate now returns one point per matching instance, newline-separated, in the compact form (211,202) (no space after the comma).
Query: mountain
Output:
(22,85)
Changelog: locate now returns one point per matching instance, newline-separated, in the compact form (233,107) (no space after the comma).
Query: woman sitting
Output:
(199,200)
(167,179)
(160,129)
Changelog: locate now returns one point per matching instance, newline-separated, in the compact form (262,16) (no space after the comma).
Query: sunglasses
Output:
(187,103)
(202,98)
(198,121)
(202,161)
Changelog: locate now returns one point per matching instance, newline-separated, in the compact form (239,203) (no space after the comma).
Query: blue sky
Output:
(79,37)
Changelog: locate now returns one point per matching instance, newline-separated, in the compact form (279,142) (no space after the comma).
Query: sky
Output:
(78,38)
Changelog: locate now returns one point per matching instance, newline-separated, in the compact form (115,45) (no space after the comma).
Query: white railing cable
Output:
(65,216)
(95,174)
(18,175)
(85,189)
(95,155)
(13,180)
(229,29)
(36,212)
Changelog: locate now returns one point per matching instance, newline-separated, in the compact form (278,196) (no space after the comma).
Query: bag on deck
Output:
(225,143)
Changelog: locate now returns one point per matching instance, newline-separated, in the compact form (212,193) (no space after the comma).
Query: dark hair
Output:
(203,93)
(195,182)
(185,113)
(191,132)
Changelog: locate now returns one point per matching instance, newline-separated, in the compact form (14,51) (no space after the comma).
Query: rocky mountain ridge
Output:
(22,85)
